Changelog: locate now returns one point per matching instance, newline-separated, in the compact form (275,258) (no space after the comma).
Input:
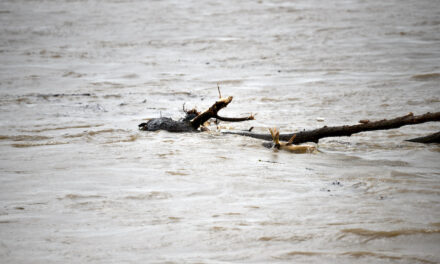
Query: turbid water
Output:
(79,183)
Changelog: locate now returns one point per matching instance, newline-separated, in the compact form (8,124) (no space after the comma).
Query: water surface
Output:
(79,183)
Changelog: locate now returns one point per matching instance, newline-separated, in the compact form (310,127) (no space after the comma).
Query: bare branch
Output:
(211,112)
(339,131)
(234,119)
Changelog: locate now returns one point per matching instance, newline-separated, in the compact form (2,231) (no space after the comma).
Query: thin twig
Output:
(219,93)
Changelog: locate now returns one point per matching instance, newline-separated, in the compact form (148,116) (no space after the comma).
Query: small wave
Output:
(305,253)
(80,196)
(73,135)
(426,76)
(73,74)
(22,100)
(402,174)
(105,84)
(30,98)
(268,223)
(61,95)
(24,138)
(61,128)
(93,133)
(149,196)
(131,138)
(28,145)
(419,191)
(267,238)
(130,76)
(176,173)
(174,219)
(107,96)
(110,130)
(359,254)
(388,234)
(231,82)
(270,99)
(8,221)
(283,9)
(173,93)
(362,254)
(218,228)
(232,213)
(432,100)
(286,239)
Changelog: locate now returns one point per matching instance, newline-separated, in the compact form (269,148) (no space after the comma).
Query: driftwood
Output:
(289,145)
(193,119)
(339,131)
(433,138)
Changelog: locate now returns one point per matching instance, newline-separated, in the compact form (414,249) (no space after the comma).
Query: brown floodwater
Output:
(79,183)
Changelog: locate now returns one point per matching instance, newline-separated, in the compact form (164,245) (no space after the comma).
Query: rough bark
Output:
(168,124)
(193,119)
(433,138)
(211,112)
(339,131)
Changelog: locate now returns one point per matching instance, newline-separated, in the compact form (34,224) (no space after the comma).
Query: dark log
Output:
(168,124)
(433,138)
(193,119)
(339,131)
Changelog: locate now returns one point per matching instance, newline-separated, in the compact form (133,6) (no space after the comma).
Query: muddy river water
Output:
(79,183)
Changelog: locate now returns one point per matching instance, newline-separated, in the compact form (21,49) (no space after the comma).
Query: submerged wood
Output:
(288,146)
(433,138)
(193,119)
(339,131)
(166,123)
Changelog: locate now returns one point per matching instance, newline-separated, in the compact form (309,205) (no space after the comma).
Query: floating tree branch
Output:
(193,119)
(339,131)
